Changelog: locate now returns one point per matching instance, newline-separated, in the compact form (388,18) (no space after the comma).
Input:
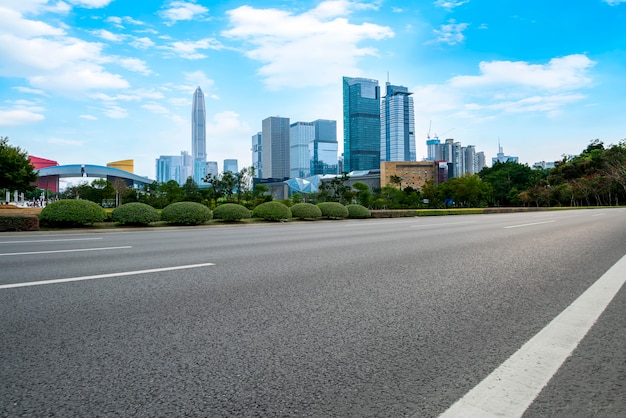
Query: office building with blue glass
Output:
(397,122)
(361,124)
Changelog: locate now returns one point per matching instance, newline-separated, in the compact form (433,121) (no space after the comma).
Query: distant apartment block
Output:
(231,165)
(257,155)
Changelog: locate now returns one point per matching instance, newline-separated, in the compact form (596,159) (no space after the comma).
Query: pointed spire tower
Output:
(198,126)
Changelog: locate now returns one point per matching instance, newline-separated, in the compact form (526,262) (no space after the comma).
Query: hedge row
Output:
(84,212)
(19,223)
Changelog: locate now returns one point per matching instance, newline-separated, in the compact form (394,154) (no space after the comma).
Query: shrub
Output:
(186,213)
(19,223)
(358,211)
(333,210)
(72,213)
(135,213)
(306,211)
(272,211)
(231,212)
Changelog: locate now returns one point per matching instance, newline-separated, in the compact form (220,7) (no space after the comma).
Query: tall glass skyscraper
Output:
(198,135)
(300,134)
(397,122)
(275,145)
(361,124)
(323,149)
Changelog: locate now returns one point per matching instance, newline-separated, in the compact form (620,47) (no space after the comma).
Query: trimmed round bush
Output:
(358,211)
(186,213)
(306,211)
(135,213)
(333,210)
(71,212)
(272,211)
(231,212)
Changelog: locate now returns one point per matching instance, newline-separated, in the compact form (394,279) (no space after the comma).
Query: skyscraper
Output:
(275,144)
(300,134)
(361,124)
(231,165)
(257,155)
(397,124)
(198,135)
(323,149)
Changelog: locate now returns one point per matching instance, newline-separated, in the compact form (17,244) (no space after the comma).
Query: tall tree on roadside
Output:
(16,170)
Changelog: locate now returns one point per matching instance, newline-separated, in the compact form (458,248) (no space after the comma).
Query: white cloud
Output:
(119,21)
(115,112)
(614,2)
(189,49)
(450,4)
(156,108)
(90,4)
(142,43)
(450,33)
(135,65)
(17,117)
(88,117)
(183,10)
(49,60)
(30,91)
(312,48)
(562,73)
(108,36)
(506,87)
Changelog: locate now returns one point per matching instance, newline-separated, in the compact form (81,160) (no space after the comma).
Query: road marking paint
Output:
(103,276)
(531,224)
(49,240)
(510,389)
(598,214)
(67,251)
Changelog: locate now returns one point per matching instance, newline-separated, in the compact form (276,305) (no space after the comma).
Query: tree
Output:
(16,170)
(507,180)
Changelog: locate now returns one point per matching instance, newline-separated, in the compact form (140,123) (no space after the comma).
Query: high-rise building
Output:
(397,125)
(323,149)
(198,135)
(361,124)
(275,144)
(300,134)
(231,165)
(168,167)
(257,155)
(434,149)
(501,158)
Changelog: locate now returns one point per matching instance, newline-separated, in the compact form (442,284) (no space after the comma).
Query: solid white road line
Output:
(534,223)
(103,276)
(67,251)
(510,389)
(49,240)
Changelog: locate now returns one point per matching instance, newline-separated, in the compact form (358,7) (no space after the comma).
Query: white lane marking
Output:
(510,389)
(103,276)
(598,214)
(67,251)
(531,224)
(49,240)
(445,224)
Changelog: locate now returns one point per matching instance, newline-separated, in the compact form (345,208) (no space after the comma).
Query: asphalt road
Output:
(393,317)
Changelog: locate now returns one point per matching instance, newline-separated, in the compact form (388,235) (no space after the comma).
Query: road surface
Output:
(355,318)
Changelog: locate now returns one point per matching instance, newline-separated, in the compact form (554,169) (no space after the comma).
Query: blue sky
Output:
(94,81)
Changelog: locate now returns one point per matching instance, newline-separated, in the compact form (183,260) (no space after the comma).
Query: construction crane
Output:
(429,125)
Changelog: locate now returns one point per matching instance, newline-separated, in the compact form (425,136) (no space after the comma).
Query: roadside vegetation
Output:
(595,177)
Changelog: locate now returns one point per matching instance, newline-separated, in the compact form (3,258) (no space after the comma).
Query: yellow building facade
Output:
(412,173)
(126,165)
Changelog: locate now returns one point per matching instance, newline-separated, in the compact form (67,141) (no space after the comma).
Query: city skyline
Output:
(93,81)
